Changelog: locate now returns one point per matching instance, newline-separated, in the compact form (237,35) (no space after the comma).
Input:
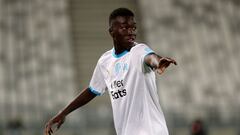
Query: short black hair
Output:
(120,12)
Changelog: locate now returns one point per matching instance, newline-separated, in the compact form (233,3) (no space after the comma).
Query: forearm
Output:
(152,60)
(158,63)
(83,98)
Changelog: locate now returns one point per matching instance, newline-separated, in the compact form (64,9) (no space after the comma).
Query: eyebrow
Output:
(127,23)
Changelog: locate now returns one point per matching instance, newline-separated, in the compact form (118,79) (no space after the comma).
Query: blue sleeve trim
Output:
(148,50)
(150,53)
(94,91)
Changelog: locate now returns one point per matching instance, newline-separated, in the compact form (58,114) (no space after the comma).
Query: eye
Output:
(134,28)
(123,27)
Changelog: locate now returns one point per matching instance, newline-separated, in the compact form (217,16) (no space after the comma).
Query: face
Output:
(123,31)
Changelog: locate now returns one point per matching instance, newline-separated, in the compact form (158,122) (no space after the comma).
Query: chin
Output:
(129,45)
(132,43)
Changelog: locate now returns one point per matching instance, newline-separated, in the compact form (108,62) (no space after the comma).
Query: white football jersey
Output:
(132,88)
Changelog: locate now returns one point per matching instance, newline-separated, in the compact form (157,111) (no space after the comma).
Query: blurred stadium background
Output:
(49,48)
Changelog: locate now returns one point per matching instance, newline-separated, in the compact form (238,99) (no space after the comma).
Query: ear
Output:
(110,30)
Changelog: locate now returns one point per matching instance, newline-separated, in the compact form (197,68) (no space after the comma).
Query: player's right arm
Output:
(84,97)
(158,63)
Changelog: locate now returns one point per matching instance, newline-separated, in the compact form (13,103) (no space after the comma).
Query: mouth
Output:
(131,39)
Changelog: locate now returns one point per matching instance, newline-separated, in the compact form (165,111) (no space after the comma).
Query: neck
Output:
(121,48)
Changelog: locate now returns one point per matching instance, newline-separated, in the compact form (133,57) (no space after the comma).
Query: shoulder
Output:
(139,45)
(105,56)
(141,48)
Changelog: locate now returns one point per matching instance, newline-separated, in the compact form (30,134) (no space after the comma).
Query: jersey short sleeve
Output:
(139,52)
(97,84)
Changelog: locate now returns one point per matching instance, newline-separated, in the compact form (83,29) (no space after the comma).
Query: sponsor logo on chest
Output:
(118,89)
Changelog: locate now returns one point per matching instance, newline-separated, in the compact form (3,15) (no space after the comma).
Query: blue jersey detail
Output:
(119,55)
(117,68)
(125,67)
(120,67)
(148,50)
(94,91)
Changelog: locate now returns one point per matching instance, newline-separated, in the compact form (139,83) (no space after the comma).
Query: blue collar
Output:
(119,55)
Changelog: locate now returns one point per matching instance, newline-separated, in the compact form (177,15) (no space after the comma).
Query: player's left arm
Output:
(158,63)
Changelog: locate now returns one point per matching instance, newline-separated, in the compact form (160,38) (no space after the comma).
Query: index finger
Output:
(172,60)
(48,130)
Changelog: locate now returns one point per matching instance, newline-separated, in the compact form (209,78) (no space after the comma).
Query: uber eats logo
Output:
(119,91)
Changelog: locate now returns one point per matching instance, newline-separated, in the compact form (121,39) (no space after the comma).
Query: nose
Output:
(131,31)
